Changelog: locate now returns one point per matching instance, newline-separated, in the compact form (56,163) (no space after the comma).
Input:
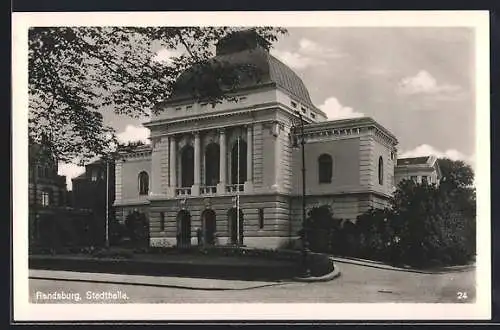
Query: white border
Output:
(23,311)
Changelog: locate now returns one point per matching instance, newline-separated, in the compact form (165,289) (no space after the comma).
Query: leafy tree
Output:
(455,174)
(76,73)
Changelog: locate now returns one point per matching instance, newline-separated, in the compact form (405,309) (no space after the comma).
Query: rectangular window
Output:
(162,221)
(178,108)
(294,104)
(303,109)
(94,175)
(45,198)
(261,218)
(425,180)
(313,115)
(189,107)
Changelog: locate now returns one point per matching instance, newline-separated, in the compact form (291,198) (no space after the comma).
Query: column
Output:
(221,187)
(277,156)
(173,165)
(195,189)
(248,182)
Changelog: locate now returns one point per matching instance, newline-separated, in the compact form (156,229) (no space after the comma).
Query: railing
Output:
(208,190)
(183,191)
(234,188)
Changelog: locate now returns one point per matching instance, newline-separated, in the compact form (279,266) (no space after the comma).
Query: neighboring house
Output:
(48,197)
(202,156)
(89,192)
(418,169)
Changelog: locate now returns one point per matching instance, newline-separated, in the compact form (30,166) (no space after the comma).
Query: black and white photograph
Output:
(251,165)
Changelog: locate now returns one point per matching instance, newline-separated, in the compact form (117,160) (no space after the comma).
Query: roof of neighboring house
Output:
(80,177)
(413,161)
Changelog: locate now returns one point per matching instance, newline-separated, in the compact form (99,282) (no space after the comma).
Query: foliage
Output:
(78,73)
(427,225)
(137,228)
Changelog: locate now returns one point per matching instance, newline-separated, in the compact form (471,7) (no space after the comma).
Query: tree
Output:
(455,174)
(76,73)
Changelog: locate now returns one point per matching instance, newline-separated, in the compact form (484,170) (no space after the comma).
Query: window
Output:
(303,109)
(414,178)
(325,167)
(178,108)
(45,198)
(380,170)
(203,105)
(189,107)
(261,218)
(94,175)
(392,155)
(313,115)
(243,98)
(294,104)
(143,183)
(162,221)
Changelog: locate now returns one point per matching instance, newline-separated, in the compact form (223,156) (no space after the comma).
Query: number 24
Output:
(461,295)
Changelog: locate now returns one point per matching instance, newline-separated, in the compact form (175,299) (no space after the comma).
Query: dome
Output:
(235,52)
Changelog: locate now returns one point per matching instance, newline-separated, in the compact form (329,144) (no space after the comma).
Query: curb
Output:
(335,273)
(380,265)
(157,285)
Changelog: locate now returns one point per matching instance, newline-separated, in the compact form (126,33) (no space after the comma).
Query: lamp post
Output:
(107,203)
(305,239)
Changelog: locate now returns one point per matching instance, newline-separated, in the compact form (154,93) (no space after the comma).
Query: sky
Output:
(416,82)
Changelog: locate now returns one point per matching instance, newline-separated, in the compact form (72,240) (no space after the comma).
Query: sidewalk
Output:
(156,281)
(380,265)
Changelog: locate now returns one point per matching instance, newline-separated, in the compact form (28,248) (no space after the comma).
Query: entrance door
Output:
(183,229)
(209,227)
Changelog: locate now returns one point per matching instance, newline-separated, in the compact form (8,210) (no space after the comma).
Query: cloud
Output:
(296,60)
(70,171)
(335,110)
(427,150)
(134,133)
(307,55)
(166,55)
(424,83)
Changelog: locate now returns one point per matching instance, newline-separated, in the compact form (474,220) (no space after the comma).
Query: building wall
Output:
(129,183)
(346,163)
(407,173)
(276,228)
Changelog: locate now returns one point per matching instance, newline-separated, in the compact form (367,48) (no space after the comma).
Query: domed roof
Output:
(240,50)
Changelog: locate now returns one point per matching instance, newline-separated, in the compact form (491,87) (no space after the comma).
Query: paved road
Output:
(358,284)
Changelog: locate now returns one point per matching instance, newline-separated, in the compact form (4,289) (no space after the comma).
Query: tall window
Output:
(325,168)
(45,198)
(143,183)
(187,163)
(162,221)
(424,179)
(212,160)
(380,170)
(261,218)
(242,162)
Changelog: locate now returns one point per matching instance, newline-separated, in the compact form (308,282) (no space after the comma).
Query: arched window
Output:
(212,160)
(380,170)
(325,168)
(242,163)
(143,183)
(187,163)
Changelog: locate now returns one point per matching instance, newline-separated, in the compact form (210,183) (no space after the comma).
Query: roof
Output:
(243,49)
(413,161)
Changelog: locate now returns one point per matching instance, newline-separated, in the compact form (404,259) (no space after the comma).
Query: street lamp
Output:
(305,240)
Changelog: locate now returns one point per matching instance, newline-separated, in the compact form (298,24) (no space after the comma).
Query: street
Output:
(357,284)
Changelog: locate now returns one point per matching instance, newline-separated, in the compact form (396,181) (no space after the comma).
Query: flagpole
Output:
(238,194)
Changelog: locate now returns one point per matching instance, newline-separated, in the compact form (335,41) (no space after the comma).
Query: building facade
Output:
(52,221)
(418,169)
(89,192)
(205,162)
